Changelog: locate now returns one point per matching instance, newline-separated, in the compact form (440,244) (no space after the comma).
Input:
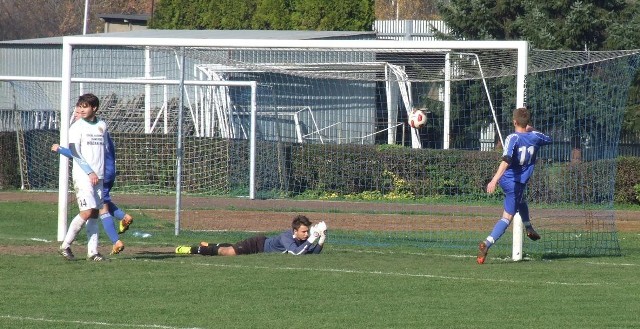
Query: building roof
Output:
(216,34)
(241,34)
(124,18)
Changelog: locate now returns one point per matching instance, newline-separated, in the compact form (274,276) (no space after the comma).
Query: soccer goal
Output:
(326,120)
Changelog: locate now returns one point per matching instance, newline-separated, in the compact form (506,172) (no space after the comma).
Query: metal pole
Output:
(86,17)
(252,142)
(447,101)
(518,226)
(179,147)
(63,170)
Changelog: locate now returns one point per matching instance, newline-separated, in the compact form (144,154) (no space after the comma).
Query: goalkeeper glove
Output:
(314,234)
(321,227)
(323,232)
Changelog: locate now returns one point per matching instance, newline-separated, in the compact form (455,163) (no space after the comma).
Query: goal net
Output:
(325,125)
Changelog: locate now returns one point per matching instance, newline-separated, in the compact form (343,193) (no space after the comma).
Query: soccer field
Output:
(148,286)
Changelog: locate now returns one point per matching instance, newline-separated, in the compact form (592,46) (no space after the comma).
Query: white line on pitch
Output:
(406,253)
(430,276)
(25,239)
(414,253)
(106,324)
(612,264)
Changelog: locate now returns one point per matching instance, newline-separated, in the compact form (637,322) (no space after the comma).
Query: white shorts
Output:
(87,195)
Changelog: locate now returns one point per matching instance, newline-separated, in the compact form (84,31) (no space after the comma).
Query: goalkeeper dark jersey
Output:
(286,243)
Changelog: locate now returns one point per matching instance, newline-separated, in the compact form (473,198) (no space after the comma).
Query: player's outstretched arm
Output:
(62,150)
(67,153)
(491,187)
(544,139)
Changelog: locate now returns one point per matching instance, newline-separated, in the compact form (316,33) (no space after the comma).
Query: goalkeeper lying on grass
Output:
(299,240)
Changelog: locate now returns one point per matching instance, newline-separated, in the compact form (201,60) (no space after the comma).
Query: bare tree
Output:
(406,9)
(21,19)
(24,19)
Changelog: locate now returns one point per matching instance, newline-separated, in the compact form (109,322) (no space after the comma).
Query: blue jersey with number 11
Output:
(522,149)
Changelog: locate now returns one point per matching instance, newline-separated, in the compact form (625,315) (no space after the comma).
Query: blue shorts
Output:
(106,188)
(513,194)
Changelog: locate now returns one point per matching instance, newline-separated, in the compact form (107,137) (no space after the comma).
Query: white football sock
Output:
(92,236)
(72,232)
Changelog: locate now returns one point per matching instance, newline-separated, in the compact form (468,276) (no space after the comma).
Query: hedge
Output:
(347,169)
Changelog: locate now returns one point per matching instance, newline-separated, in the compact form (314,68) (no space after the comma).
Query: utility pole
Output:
(397,9)
(86,17)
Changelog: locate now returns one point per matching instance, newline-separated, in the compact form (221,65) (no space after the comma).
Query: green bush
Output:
(584,182)
(353,169)
(627,178)
(323,170)
(9,169)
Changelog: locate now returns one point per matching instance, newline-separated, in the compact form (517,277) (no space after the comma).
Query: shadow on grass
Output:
(155,255)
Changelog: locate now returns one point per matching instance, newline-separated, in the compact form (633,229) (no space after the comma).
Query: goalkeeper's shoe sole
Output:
(124,224)
(184,250)
(117,247)
(533,235)
(67,254)
(482,252)
(97,258)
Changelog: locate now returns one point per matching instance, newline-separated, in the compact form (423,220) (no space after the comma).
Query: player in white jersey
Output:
(109,209)
(86,143)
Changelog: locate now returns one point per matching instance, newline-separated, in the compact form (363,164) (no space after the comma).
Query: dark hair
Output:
(522,116)
(300,220)
(90,99)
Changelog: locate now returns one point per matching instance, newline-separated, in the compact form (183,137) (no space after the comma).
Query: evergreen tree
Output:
(554,24)
(326,15)
(272,15)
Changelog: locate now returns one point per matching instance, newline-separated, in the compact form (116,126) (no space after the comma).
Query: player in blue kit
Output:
(518,161)
(299,240)
(110,209)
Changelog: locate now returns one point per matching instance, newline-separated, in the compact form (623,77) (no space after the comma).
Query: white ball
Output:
(417,119)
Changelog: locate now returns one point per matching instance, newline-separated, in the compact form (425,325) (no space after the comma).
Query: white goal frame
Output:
(445,46)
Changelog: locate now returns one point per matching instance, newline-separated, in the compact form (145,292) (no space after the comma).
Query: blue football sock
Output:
(523,210)
(115,211)
(498,230)
(119,214)
(109,227)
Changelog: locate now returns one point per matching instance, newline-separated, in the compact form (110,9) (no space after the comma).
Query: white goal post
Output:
(444,47)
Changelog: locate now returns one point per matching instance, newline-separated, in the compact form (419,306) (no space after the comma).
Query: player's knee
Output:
(89,213)
(226,251)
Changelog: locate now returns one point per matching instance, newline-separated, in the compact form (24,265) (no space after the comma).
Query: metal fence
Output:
(629,145)
(421,30)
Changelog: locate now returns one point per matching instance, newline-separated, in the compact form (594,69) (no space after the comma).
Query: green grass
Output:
(344,287)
